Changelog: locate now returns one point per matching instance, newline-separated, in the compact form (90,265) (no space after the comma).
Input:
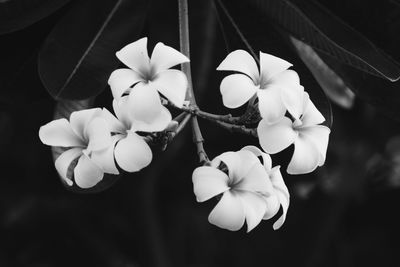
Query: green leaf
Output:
(79,54)
(18,14)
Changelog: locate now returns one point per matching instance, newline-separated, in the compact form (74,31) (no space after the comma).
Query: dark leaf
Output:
(18,14)
(311,23)
(259,35)
(79,54)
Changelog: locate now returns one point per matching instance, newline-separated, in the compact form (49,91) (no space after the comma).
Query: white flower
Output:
(146,78)
(88,138)
(251,191)
(310,139)
(131,152)
(278,89)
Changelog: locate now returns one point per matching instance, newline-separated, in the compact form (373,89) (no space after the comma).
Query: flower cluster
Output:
(96,141)
(98,138)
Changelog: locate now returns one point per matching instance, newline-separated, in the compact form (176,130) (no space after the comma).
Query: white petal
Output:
(121,80)
(267,161)
(98,133)
(273,205)
(228,213)
(311,115)
(319,135)
(80,119)
(254,207)
(236,89)
(146,109)
(208,182)
(239,163)
(113,123)
(165,57)
(135,56)
(285,79)
(64,161)
(59,133)
(132,153)
(241,61)
(105,158)
(271,65)
(256,180)
(173,85)
(276,137)
(306,156)
(270,104)
(122,111)
(86,173)
(282,194)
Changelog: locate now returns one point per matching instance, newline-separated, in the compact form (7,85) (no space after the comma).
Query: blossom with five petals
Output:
(309,137)
(87,138)
(278,89)
(131,152)
(251,191)
(145,79)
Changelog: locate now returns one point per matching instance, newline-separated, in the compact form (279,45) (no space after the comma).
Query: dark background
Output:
(343,214)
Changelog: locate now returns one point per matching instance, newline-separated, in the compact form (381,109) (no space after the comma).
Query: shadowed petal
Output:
(270,104)
(271,65)
(311,115)
(292,99)
(63,162)
(105,158)
(267,161)
(282,194)
(113,123)
(306,156)
(135,56)
(236,89)
(132,153)
(146,109)
(254,207)
(228,213)
(239,163)
(86,173)
(165,57)
(59,133)
(80,119)
(256,180)
(121,80)
(208,182)
(98,133)
(122,111)
(241,61)
(173,85)
(273,206)
(319,135)
(276,137)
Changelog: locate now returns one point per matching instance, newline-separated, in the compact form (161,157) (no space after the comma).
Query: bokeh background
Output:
(343,214)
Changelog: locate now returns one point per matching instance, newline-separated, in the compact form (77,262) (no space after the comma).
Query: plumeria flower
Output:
(146,78)
(251,191)
(310,139)
(278,89)
(87,138)
(131,152)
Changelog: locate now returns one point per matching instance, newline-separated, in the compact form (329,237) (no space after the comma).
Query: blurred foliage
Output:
(344,214)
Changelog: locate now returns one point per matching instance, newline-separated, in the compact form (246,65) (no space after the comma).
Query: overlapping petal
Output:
(239,164)
(209,182)
(236,90)
(114,125)
(282,194)
(311,115)
(254,207)
(306,156)
(98,133)
(87,173)
(105,158)
(135,56)
(228,213)
(271,65)
(132,153)
(276,137)
(80,119)
(319,135)
(60,133)
(165,57)
(270,104)
(256,180)
(173,85)
(121,80)
(146,109)
(122,111)
(267,161)
(63,162)
(241,61)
